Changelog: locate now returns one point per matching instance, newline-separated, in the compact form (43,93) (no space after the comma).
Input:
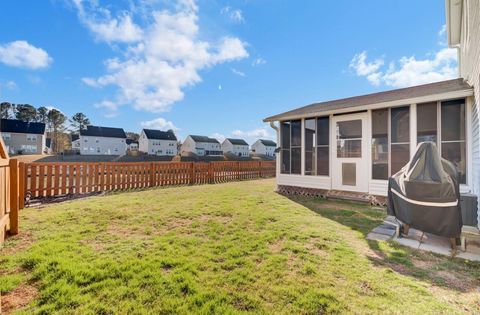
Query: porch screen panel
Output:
(296,146)
(400,138)
(285,147)
(427,122)
(310,141)
(323,156)
(453,145)
(380,144)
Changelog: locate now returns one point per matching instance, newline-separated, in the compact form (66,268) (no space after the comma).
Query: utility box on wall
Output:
(468,204)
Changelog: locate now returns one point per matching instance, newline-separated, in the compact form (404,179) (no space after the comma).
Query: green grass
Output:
(221,249)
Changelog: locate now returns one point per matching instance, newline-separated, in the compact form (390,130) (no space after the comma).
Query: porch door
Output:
(350,152)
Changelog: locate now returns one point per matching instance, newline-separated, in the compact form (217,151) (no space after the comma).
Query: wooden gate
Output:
(9,194)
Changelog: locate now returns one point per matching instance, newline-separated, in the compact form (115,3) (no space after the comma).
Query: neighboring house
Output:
(236,147)
(75,142)
(157,142)
(463,29)
(264,147)
(132,145)
(97,140)
(201,146)
(23,137)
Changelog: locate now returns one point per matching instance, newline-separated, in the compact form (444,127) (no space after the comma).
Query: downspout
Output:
(277,159)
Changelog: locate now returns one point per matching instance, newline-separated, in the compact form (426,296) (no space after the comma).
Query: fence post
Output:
(210,173)
(152,174)
(21,185)
(192,173)
(259,169)
(13,196)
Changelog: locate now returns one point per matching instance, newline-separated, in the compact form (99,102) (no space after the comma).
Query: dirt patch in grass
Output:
(18,243)
(18,298)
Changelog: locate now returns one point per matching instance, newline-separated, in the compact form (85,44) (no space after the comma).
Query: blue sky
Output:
(213,67)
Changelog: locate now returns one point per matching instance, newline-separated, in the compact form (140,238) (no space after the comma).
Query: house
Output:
(264,147)
(355,144)
(201,146)
(463,32)
(97,140)
(75,142)
(157,142)
(22,137)
(132,145)
(237,147)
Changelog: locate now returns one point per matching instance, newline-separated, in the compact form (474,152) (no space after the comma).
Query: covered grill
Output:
(425,193)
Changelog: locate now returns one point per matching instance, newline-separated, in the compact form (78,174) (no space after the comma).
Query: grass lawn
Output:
(227,248)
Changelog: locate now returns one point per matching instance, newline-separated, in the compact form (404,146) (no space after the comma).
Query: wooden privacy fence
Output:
(57,179)
(9,194)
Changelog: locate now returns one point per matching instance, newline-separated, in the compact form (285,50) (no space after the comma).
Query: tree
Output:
(79,122)
(25,112)
(42,114)
(56,123)
(5,109)
(133,136)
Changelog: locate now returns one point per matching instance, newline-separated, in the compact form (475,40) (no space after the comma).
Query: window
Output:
(291,138)
(349,139)
(31,138)
(453,147)
(29,148)
(427,122)
(6,136)
(400,138)
(380,144)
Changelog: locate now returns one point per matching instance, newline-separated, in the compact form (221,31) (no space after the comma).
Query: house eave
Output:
(399,102)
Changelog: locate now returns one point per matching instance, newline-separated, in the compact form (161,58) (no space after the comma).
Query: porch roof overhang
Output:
(437,91)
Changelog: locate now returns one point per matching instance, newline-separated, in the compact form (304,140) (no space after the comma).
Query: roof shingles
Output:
(376,98)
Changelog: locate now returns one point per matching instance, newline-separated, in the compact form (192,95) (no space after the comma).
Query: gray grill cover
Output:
(425,193)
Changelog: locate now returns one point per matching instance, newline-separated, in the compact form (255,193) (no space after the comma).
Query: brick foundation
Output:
(332,194)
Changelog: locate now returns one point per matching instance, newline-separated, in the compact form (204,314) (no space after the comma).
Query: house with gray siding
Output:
(22,137)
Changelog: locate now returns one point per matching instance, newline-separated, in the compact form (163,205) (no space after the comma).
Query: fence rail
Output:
(56,179)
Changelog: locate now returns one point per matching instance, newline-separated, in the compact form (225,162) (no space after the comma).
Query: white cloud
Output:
(234,15)
(220,137)
(23,55)
(256,133)
(159,123)
(248,135)
(363,68)
(238,72)
(408,71)
(11,85)
(258,62)
(105,27)
(152,72)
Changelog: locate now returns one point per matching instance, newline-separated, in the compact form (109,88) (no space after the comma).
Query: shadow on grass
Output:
(447,272)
